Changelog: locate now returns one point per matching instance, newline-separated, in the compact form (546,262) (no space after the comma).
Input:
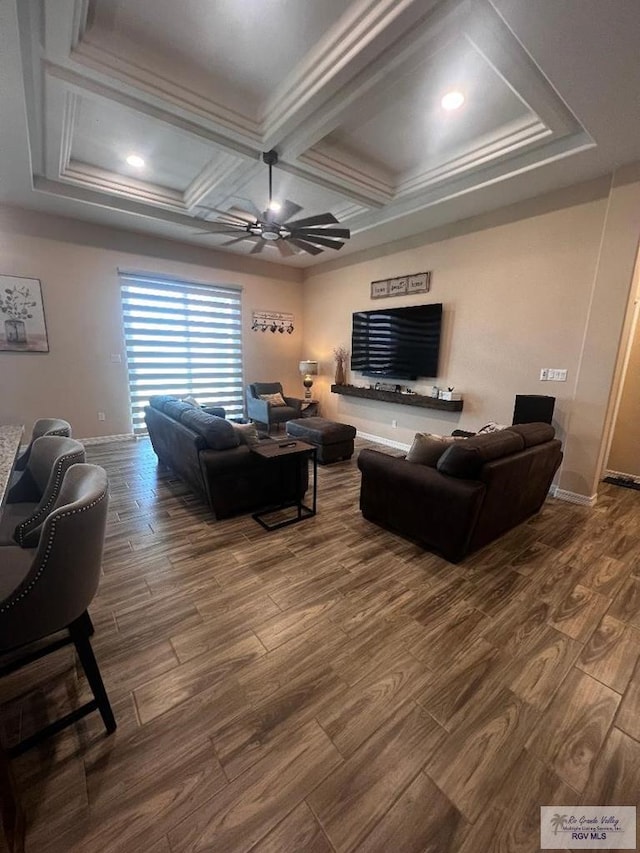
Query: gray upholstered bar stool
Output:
(43,426)
(32,497)
(47,590)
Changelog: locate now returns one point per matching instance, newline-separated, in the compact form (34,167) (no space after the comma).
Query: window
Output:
(182,338)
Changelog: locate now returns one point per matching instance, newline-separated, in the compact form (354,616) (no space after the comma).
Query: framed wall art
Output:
(401,286)
(22,323)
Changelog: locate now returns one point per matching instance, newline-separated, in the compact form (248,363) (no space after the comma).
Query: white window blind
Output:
(182,338)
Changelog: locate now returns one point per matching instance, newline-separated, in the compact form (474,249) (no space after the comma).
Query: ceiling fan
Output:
(311,234)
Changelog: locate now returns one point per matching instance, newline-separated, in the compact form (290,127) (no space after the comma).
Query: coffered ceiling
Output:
(347,91)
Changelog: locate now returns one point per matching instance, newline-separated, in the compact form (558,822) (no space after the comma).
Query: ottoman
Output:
(334,441)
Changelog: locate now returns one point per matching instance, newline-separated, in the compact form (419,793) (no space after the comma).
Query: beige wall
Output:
(594,396)
(78,266)
(519,291)
(624,455)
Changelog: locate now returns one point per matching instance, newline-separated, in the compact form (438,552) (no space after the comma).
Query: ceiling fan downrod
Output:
(270,158)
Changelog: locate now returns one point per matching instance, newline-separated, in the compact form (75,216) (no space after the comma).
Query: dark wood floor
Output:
(332,687)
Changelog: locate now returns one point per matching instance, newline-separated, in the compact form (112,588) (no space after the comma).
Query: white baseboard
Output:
(575,498)
(107,439)
(622,476)
(388,442)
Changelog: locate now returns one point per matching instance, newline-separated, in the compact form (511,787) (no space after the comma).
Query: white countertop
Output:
(10,438)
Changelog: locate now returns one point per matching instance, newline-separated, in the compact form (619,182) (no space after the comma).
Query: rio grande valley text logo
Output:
(588,827)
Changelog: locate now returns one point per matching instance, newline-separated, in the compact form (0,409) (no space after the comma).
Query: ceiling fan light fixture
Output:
(289,235)
(452,101)
(270,232)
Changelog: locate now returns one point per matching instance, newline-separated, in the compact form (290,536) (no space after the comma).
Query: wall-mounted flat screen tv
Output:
(403,343)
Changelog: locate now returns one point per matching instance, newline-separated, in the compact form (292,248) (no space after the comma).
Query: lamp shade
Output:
(308,368)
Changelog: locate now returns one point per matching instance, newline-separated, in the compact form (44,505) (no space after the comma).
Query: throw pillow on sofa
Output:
(175,408)
(274,399)
(218,433)
(247,433)
(427,448)
(491,427)
(465,458)
(461,460)
(157,401)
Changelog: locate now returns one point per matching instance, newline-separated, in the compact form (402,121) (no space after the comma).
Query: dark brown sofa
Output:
(480,488)
(206,452)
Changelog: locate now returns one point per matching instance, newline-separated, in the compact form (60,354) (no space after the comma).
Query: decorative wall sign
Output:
(273,321)
(22,323)
(401,286)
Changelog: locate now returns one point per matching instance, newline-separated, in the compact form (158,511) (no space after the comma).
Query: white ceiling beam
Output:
(89,195)
(82,85)
(491,37)
(504,141)
(330,181)
(557,149)
(309,127)
(220,172)
(366,30)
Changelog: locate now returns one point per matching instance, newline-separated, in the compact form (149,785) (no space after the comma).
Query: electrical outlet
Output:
(102,416)
(552,374)
(562,375)
(116,358)
(544,374)
(394,423)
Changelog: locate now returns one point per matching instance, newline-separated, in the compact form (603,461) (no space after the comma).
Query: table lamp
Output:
(308,370)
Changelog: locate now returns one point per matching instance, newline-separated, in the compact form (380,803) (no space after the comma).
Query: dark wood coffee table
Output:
(276,452)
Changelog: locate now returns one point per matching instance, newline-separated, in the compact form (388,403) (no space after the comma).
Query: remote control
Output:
(287,444)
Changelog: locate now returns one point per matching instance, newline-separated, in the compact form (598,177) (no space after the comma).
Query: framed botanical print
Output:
(22,323)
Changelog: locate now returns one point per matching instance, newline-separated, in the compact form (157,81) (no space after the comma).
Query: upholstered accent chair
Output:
(43,426)
(47,590)
(31,498)
(263,412)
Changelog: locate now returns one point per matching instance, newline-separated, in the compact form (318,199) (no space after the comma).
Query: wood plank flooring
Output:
(331,687)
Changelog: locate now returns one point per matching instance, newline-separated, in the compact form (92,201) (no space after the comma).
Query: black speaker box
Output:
(533,408)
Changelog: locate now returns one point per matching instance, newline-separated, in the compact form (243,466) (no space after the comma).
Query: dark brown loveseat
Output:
(480,488)
(208,454)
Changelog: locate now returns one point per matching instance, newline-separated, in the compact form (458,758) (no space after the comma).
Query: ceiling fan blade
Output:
(287,210)
(233,213)
(220,228)
(320,241)
(251,210)
(259,246)
(284,248)
(240,239)
(306,247)
(341,233)
(320,219)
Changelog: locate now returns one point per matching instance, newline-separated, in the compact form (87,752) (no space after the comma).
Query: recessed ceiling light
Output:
(136,161)
(275,206)
(452,101)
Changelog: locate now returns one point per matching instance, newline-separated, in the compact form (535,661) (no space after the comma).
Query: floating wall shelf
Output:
(396,397)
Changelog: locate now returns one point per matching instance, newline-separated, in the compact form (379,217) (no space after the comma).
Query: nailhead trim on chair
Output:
(20,530)
(28,589)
